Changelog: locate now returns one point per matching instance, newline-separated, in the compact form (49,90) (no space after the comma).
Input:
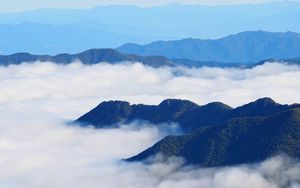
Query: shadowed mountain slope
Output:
(214,134)
(188,115)
(235,141)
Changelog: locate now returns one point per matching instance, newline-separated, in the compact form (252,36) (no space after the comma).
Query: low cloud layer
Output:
(38,149)
(82,87)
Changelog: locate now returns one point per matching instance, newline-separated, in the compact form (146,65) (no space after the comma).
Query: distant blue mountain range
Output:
(52,31)
(111,56)
(246,47)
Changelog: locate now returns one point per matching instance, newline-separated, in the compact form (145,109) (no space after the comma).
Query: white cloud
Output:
(80,87)
(37,149)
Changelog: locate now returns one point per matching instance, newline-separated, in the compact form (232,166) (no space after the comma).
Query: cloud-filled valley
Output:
(142,84)
(38,148)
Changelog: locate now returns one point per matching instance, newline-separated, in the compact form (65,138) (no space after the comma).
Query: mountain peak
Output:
(218,105)
(172,102)
(187,114)
(114,102)
(97,51)
(261,107)
(265,102)
(107,113)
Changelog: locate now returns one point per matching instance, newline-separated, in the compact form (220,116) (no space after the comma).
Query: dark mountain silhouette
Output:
(108,114)
(92,56)
(235,141)
(214,134)
(187,114)
(246,47)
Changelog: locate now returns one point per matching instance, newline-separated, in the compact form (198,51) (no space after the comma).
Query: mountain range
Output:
(52,31)
(88,57)
(214,134)
(246,47)
(95,56)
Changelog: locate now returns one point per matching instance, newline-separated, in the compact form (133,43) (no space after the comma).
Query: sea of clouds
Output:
(39,149)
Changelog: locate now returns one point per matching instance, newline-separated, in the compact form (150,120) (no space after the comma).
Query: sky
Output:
(21,5)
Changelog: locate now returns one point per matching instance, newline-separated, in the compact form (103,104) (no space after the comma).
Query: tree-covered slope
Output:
(236,141)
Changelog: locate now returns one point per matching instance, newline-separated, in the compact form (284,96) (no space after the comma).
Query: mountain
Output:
(52,31)
(235,141)
(108,114)
(92,56)
(195,63)
(288,61)
(214,134)
(190,116)
(246,47)
(295,60)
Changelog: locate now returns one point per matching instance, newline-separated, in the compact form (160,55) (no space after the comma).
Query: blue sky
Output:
(21,5)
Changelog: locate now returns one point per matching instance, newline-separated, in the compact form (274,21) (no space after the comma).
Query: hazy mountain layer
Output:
(246,47)
(92,56)
(52,31)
